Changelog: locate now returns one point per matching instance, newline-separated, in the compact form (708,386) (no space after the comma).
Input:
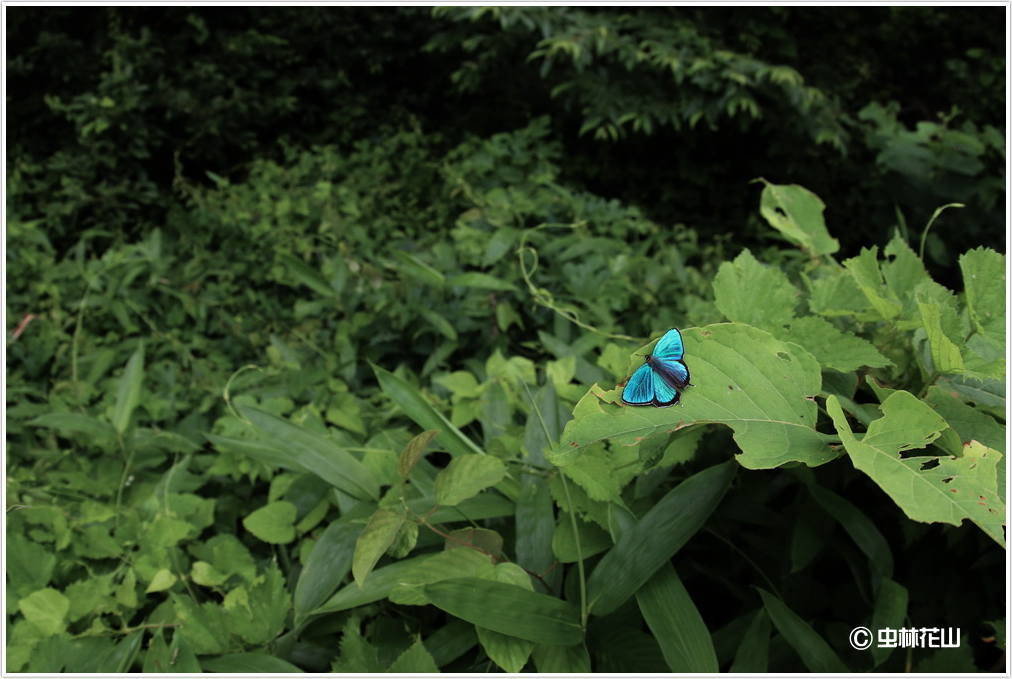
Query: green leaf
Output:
(248,663)
(508,609)
(374,541)
(302,273)
(123,655)
(985,284)
(415,660)
(796,213)
(865,270)
(832,348)
(357,656)
(734,289)
(258,611)
(562,659)
(451,641)
(752,656)
(815,653)
(890,612)
(969,424)
(163,580)
(676,623)
(46,609)
(96,429)
(413,452)
(944,353)
(273,523)
(482,281)
(315,453)
(743,377)
(327,566)
(205,627)
(128,391)
(423,414)
(508,652)
(938,489)
(642,549)
(466,476)
(859,527)
(419,270)
(415,571)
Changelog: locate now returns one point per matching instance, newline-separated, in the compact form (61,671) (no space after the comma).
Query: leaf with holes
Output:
(936,489)
(742,377)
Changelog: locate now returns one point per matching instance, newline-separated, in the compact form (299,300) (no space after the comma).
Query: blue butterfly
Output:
(658,381)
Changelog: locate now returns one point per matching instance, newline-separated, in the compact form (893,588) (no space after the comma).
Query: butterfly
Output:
(659,381)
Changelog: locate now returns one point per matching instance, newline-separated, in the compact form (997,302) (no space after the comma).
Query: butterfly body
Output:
(659,381)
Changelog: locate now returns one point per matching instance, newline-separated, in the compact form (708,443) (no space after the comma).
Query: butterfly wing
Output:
(669,347)
(665,393)
(639,390)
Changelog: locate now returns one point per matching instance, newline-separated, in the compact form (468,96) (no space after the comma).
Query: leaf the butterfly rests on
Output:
(659,381)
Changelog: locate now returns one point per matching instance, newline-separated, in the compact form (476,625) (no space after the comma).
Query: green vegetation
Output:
(318,320)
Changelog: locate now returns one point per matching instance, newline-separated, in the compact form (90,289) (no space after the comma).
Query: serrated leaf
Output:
(842,351)
(868,276)
(508,609)
(466,476)
(734,289)
(414,451)
(743,377)
(796,212)
(415,660)
(273,523)
(954,489)
(945,355)
(985,284)
(46,609)
(128,390)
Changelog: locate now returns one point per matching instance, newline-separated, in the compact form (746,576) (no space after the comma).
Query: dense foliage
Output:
(318,320)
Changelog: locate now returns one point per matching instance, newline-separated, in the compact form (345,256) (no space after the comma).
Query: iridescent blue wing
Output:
(674,373)
(639,390)
(669,347)
(665,393)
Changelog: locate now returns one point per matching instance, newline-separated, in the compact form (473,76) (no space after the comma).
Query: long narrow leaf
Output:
(815,653)
(508,609)
(753,653)
(662,531)
(676,623)
(128,392)
(319,455)
(423,414)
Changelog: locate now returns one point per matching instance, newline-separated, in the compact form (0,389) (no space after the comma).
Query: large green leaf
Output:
(466,476)
(929,489)
(647,545)
(743,377)
(508,609)
(314,453)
